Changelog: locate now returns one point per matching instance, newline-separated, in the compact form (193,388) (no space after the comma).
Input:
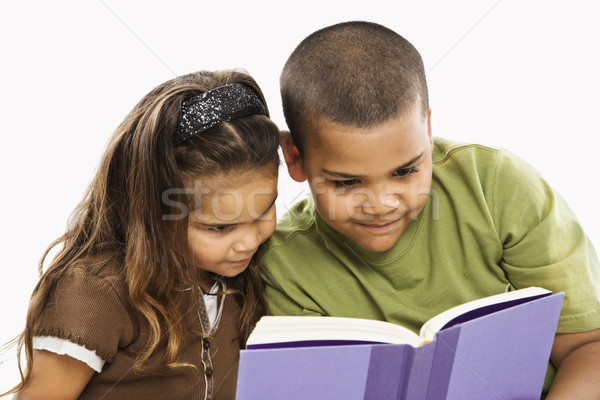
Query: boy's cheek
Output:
(344,208)
(318,186)
(331,207)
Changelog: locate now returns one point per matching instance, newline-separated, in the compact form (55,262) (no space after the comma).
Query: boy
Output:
(401,227)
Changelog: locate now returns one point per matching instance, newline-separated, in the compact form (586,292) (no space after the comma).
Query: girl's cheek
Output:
(267,227)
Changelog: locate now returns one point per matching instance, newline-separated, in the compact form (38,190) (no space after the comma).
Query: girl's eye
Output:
(406,171)
(346,183)
(221,228)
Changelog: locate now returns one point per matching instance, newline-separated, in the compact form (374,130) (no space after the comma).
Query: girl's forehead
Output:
(238,180)
(233,197)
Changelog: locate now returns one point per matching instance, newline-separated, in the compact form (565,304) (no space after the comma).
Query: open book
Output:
(297,331)
(494,347)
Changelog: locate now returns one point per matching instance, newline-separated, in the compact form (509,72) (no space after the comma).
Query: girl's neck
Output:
(205,280)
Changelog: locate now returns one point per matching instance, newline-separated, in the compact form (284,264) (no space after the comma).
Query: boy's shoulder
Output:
(297,224)
(481,162)
(300,217)
(489,166)
(447,150)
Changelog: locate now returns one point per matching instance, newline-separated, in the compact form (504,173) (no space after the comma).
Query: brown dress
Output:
(90,307)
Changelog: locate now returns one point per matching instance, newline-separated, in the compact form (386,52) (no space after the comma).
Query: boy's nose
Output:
(381,202)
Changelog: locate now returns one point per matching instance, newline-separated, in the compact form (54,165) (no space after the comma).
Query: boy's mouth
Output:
(379,227)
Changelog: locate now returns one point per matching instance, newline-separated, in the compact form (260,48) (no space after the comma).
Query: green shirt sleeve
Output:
(544,244)
(279,302)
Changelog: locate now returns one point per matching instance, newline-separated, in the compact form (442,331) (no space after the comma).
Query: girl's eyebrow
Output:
(269,206)
(212,225)
(349,176)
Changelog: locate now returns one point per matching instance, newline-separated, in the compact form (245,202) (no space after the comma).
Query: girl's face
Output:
(236,213)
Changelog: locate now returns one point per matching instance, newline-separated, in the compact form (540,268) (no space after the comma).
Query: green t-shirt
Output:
(490,223)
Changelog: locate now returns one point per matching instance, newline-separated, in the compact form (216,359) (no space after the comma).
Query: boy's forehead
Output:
(357,163)
(397,140)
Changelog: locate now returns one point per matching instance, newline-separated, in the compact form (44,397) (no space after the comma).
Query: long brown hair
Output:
(122,214)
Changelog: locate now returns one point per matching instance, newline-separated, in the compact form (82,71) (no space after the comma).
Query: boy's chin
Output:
(377,244)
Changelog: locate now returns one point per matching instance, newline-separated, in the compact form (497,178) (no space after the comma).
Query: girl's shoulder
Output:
(88,304)
(105,270)
(93,280)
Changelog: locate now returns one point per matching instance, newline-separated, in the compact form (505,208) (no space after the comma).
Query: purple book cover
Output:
(505,355)
(501,355)
(339,372)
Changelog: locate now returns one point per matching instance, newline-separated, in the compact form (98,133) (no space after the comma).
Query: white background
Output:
(522,75)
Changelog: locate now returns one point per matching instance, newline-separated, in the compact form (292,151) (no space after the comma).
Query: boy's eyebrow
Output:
(405,165)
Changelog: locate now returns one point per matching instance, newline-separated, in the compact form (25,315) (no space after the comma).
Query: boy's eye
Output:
(406,171)
(345,183)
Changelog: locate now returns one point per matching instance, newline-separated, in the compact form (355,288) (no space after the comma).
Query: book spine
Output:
(411,363)
(387,368)
(445,343)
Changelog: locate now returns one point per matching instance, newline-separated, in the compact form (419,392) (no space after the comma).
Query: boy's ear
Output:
(292,158)
(429,130)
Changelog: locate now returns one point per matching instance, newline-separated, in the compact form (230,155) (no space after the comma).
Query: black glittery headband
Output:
(216,106)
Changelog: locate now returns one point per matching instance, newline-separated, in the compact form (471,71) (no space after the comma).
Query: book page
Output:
(296,331)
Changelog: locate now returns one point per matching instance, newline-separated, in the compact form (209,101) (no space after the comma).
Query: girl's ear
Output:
(292,158)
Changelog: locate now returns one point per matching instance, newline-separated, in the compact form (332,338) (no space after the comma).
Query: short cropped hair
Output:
(355,73)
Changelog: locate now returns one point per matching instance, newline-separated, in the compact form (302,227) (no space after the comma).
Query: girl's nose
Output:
(249,240)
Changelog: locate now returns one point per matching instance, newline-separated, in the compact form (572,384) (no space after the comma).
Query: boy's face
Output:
(369,184)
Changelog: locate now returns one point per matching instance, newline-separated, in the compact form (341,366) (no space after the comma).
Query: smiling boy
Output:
(371,200)
(402,226)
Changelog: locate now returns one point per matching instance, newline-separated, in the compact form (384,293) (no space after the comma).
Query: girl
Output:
(156,286)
